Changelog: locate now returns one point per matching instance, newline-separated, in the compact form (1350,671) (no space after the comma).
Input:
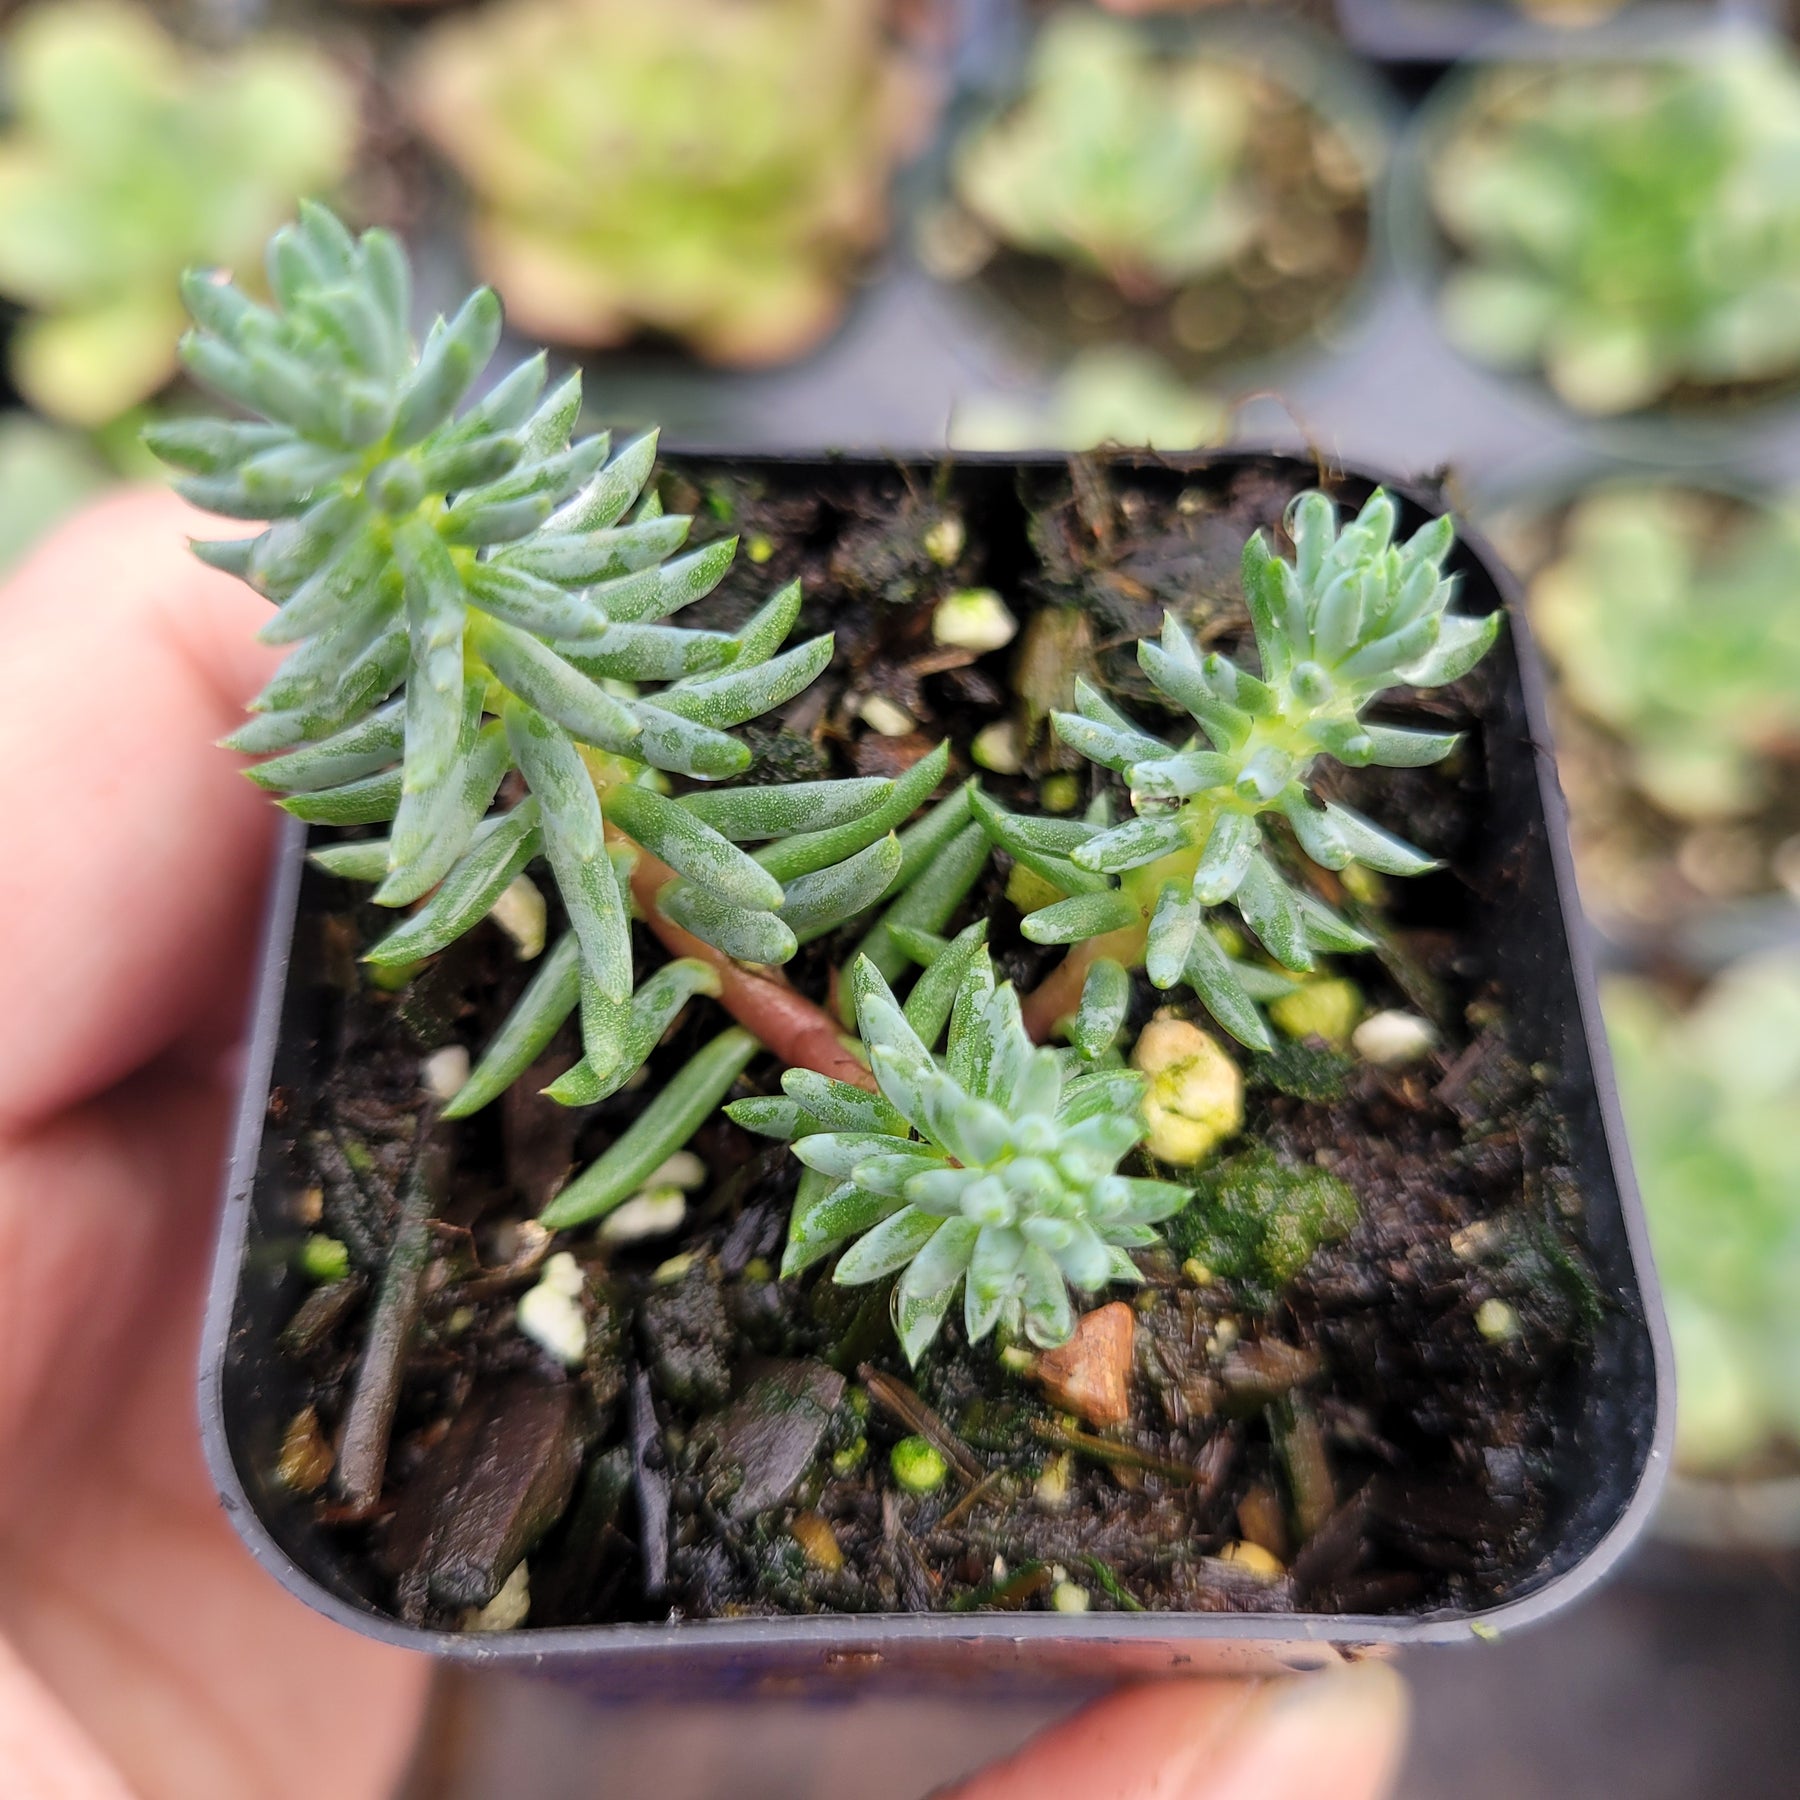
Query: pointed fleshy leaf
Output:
(748,935)
(827,1215)
(671,832)
(742,814)
(525,1034)
(502,847)
(1083,916)
(1214,977)
(1272,910)
(1105,1000)
(925,1291)
(889,1246)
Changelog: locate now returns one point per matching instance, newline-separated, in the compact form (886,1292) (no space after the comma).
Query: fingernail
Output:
(1335,1736)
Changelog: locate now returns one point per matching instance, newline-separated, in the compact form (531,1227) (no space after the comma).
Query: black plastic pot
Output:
(1614,1408)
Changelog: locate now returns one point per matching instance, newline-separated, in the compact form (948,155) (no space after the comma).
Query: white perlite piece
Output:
(683,1170)
(508,1610)
(445,1072)
(654,1213)
(1496,1321)
(881,715)
(521,914)
(996,747)
(1391,1040)
(975,619)
(550,1314)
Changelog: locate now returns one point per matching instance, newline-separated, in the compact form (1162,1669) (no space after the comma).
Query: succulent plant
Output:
(1117,157)
(1627,227)
(991,1169)
(1710,1097)
(702,168)
(126,160)
(1352,614)
(1676,625)
(472,594)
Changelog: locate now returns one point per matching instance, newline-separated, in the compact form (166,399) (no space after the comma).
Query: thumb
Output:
(1336,1736)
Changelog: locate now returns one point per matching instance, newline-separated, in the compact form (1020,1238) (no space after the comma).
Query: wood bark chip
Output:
(1090,1375)
(498,1480)
(362,1457)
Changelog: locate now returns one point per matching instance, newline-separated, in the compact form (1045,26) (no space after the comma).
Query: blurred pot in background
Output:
(1204,194)
(1711,1095)
(127,158)
(713,172)
(1625,225)
(1671,617)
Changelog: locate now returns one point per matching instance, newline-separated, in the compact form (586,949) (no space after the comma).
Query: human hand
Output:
(1336,1736)
(142,1651)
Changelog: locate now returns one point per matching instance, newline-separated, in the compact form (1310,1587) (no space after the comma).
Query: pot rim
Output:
(1296,1639)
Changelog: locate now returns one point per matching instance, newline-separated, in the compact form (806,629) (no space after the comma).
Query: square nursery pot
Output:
(1612,1404)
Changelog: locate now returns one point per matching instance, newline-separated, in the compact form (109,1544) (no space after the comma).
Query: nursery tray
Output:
(1613,1406)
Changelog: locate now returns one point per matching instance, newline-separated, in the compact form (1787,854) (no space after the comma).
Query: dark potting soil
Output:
(1380,1429)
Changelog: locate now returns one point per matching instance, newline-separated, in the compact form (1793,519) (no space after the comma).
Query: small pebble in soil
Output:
(521,913)
(324,1258)
(884,717)
(445,1072)
(944,541)
(817,1541)
(683,1170)
(974,619)
(1196,1095)
(917,1466)
(306,1456)
(1391,1040)
(996,749)
(654,1213)
(1253,1559)
(508,1610)
(1090,1374)
(550,1314)
(1327,1009)
(1497,1321)
(1052,1492)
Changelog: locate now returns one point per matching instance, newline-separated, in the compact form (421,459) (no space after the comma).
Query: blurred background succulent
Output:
(1673,617)
(1710,1097)
(1630,229)
(128,158)
(1352,615)
(707,170)
(1197,196)
(1117,157)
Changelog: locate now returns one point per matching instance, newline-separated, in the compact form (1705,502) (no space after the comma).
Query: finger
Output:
(44,1755)
(1336,1736)
(134,851)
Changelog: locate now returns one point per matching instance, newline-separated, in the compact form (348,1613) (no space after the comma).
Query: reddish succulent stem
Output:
(802,1034)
